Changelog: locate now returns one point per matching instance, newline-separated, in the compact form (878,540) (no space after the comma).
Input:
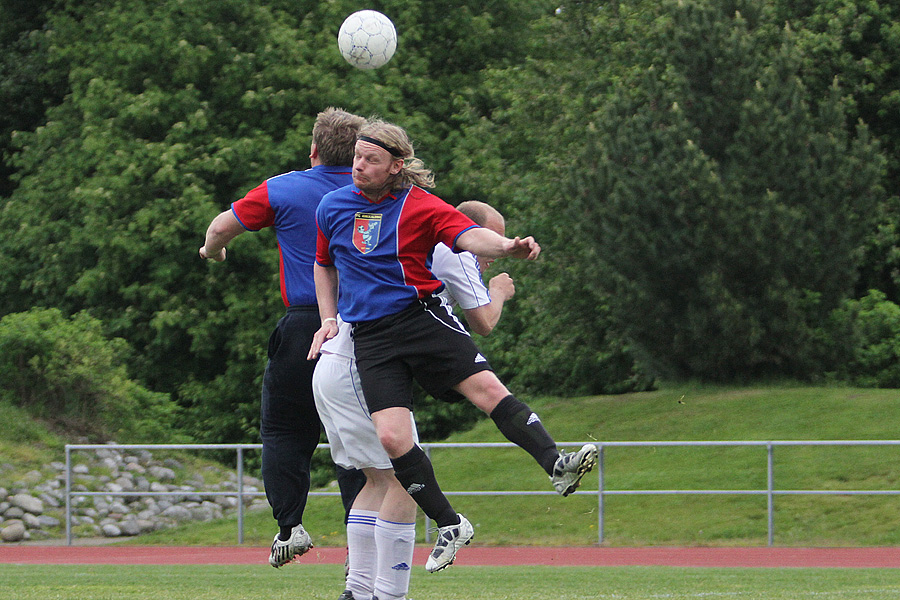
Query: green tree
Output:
(523,130)
(868,341)
(28,84)
(859,43)
(173,110)
(705,209)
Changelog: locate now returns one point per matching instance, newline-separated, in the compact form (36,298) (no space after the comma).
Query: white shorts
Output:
(342,408)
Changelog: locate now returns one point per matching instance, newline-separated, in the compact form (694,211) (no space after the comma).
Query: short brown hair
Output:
(334,134)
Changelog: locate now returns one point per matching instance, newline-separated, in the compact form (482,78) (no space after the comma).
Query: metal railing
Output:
(770,492)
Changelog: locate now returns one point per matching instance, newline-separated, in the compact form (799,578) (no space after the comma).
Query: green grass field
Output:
(69,582)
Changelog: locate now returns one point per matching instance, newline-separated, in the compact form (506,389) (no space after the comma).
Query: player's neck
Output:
(377,196)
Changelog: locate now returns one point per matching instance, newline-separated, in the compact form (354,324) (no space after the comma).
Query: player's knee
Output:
(380,479)
(394,441)
(484,390)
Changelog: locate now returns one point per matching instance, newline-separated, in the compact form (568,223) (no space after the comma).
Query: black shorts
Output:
(425,342)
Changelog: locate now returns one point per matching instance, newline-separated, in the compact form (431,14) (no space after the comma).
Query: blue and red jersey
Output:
(382,250)
(288,202)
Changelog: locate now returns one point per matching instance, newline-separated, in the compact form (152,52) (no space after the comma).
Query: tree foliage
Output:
(709,180)
(868,341)
(28,83)
(700,193)
(858,43)
(173,111)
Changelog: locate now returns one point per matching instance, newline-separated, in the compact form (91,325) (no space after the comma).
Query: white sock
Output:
(395,542)
(363,553)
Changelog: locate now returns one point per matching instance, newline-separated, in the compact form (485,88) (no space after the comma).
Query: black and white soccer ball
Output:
(367,39)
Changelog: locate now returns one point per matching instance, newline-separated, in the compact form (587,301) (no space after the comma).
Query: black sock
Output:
(522,427)
(415,473)
(285,533)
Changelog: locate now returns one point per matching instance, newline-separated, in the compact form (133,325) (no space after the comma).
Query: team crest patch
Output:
(366,228)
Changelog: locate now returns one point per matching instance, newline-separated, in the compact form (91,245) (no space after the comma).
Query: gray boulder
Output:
(179,513)
(28,503)
(13,531)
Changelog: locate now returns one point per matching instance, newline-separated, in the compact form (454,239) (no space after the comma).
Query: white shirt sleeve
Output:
(462,279)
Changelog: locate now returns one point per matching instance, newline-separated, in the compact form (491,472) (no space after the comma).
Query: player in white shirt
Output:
(461,274)
(381,525)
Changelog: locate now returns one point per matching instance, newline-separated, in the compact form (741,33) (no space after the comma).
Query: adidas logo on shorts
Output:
(479,358)
(416,487)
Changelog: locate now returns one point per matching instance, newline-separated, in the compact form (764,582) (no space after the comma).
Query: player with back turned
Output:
(289,424)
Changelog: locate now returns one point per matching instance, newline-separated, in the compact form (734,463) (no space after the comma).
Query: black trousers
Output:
(289,424)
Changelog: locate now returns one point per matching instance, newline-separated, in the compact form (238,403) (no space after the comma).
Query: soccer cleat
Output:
(571,467)
(284,552)
(450,539)
(347,595)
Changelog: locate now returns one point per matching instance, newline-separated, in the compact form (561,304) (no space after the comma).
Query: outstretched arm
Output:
(481,241)
(326,279)
(220,232)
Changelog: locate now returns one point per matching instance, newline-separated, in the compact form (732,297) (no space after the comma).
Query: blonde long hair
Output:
(397,142)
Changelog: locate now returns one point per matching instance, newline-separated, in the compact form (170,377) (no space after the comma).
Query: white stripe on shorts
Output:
(446,306)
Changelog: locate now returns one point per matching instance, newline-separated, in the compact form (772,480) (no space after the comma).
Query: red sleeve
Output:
(323,256)
(449,223)
(253,210)
(426,214)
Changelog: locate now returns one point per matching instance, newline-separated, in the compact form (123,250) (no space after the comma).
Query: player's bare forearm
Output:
(483,319)
(484,242)
(224,228)
(326,280)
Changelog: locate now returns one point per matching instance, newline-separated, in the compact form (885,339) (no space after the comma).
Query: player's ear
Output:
(313,150)
(396,166)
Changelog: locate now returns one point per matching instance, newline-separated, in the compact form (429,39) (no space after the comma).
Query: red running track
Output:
(882,557)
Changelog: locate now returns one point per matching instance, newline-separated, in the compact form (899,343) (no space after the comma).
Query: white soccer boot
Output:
(450,539)
(284,552)
(571,467)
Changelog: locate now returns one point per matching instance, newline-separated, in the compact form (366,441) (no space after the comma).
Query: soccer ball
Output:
(367,39)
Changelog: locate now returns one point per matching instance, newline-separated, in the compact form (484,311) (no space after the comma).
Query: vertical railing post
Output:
(240,478)
(770,491)
(68,496)
(600,486)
